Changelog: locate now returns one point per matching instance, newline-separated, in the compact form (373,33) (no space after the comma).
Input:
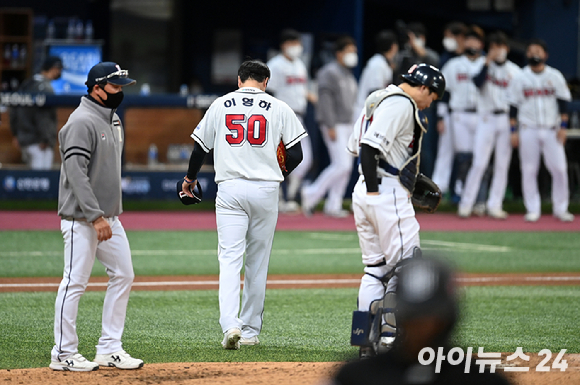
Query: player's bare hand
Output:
(43,146)
(441,127)
(185,188)
(103,229)
(561,135)
(373,193)
(515,139)
(15,143)
(312,97)
(332,134)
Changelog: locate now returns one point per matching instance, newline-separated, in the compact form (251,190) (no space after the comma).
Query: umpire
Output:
(427,310)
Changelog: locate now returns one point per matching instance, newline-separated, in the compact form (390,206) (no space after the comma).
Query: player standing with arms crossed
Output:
(89,203)
(245,128)
(493,129)
(387,139)
(289,83)
(539,97)
(459,73)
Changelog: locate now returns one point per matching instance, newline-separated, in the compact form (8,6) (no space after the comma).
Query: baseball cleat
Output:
(232,339)
(251,341)
(74,363)
(531,217)
(565,217)
(479,209)
(497,214)
(307,206)
(292,206)
(337,214)
(463,212)
(119,360)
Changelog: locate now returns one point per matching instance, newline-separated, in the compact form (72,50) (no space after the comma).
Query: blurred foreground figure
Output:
(426,312)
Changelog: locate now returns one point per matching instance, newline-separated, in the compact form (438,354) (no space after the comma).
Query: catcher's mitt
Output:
(281,155)
(196,191)
(426,195)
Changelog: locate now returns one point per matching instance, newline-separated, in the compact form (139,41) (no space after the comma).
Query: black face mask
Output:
(471,51)
(535,60)
(113,100)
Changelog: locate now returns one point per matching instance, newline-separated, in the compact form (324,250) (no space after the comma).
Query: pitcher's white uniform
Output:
(459,73)
(386,224)
(289,83)
(493,132)
(376,75)
(244,128)
(535,95)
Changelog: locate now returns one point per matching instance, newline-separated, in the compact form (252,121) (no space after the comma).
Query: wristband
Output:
(186,179)
(513,128)
(563,124)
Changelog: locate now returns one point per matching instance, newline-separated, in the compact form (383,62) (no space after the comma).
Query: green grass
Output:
(40,253)
(299,325)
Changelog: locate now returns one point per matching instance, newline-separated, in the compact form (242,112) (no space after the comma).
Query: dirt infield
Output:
(258,373)
(308,281)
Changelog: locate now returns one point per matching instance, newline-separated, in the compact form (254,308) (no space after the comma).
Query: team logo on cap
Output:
(102,136)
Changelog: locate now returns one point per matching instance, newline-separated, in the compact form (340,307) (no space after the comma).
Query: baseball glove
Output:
(281,155)
(196,191)
(426,195)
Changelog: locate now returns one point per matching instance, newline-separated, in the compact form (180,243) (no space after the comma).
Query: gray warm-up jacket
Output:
(90,145)
(337,92)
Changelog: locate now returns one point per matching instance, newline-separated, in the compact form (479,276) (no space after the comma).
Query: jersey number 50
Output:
(255,132)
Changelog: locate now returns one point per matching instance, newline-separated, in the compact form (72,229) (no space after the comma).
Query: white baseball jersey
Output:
(245,128)
(376,75)
(459,73)
(535,95)
(390,130)
(494,93)
(289,81)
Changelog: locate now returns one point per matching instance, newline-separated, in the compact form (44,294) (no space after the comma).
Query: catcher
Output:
(387,139)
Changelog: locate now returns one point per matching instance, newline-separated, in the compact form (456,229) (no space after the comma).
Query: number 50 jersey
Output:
(244,128)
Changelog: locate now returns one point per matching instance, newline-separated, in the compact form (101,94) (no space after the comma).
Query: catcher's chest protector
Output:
(377,97)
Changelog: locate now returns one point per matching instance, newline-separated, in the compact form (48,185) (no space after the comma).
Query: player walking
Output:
(245,128)
(538,99)
(492,132)
(289,83)
(89,203)
(336,99)
(387,140)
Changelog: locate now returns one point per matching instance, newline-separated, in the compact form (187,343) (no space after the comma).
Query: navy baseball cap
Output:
(108,72)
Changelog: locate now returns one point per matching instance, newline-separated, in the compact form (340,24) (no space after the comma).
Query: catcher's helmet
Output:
(428,76)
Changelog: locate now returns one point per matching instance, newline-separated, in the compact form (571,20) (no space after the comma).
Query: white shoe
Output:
(531,217)
(232,339)
(307,206)
(497,214)
(250,341)
(292,206)
(74,363)
(119,360)
(463,212)
(565,217)
(479,209)
(337,214)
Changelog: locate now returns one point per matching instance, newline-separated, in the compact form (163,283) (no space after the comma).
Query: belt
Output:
(468,110)
(499,112)
(382,263)
(84,219)
(388,168)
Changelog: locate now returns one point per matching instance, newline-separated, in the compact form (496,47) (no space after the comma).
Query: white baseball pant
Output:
(493,132)
(246,216)
(387,231)
(37,158)
(334,178)
(80,248)
(464,127)
(536,141)
(445,155)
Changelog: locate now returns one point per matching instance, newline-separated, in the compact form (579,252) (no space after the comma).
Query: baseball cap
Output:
(108,72)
